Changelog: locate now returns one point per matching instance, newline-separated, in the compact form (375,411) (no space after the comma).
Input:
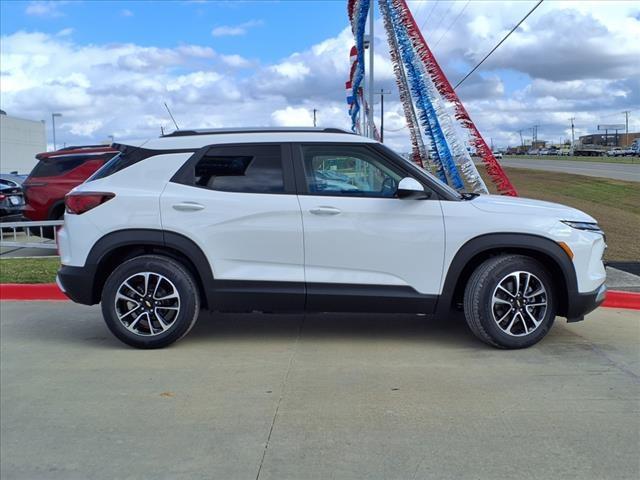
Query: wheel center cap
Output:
(147,303)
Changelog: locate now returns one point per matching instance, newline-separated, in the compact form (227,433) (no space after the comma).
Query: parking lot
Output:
(316,397)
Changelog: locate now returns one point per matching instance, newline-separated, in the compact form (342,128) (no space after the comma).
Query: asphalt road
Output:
(316,397)
(617,171)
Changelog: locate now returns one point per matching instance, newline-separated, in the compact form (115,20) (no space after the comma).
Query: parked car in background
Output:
(11,198)
(498,155)
(13,179)
(55,174)
(616,152)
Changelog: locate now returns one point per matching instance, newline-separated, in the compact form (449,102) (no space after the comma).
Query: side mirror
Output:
(411,188)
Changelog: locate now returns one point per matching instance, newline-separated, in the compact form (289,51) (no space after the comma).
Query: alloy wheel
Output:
(147,304)
(519,303)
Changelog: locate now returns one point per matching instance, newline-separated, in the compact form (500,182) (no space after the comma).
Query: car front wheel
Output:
(150,301)
(509,301)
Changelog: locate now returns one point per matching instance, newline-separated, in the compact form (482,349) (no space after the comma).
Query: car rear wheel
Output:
(509,301)
(150,301)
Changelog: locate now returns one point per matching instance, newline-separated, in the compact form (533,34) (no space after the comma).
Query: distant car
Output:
(11,199)
(616,152)
(55,174)
(498,155)
(13,178)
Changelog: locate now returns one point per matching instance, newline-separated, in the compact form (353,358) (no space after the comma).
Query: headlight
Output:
(588,226)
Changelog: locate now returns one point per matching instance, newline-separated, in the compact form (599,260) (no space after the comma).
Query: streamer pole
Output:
(371,89)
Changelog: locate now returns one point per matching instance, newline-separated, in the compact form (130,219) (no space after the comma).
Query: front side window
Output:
(346,170)
(248,169)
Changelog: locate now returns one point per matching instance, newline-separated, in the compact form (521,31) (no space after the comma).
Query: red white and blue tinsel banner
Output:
(424,93)
(358,11)
(424,74)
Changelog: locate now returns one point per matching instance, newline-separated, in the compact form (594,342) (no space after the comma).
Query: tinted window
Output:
(249,169)
(349,171)
(58,166)
(125,158)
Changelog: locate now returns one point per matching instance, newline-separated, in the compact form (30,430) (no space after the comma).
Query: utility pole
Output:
(314,116)
(626,125)
(382,93)
(573,137)
(521,139)
(53,125)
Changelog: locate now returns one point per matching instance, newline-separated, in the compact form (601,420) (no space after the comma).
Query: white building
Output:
(20,140)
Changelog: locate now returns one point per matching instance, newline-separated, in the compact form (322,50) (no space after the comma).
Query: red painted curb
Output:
(31,291)
(617,299)
(50,291)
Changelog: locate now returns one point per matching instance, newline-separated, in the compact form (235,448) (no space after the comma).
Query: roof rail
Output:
(223,131)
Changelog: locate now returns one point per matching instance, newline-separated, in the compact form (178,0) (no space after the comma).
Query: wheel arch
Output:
(478,249)
(54,209)
(116,247)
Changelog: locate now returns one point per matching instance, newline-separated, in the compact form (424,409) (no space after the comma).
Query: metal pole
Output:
(626,125)
(53,123)
(371,21)
(381,116)
(314,117)
(573,138)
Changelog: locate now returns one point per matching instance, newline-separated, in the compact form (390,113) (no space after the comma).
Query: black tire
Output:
(479,308)
(179,278)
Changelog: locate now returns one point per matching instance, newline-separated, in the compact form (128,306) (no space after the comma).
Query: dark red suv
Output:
(56,173)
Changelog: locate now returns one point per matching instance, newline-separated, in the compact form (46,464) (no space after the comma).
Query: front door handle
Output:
(188,207)
(325,211)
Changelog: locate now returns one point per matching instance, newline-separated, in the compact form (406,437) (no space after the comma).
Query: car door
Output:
(238,203)
(362,242)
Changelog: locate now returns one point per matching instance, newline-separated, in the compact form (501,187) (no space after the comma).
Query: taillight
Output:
(80,202)
(2,197)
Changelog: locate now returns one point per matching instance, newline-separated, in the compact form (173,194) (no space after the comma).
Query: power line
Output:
(446,14)
(498,45)
(452,23)
(435,4)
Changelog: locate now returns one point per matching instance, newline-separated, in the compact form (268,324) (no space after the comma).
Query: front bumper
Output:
(579,304)
(77,283)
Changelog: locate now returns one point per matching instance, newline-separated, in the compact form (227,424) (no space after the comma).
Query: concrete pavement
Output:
(616,171)
(316,397)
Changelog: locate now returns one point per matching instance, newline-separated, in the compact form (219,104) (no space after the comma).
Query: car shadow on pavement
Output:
(212,327)
(66,323)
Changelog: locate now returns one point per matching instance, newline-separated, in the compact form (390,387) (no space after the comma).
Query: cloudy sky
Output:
(108,67)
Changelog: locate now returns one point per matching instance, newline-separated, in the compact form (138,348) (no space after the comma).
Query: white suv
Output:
(315,220)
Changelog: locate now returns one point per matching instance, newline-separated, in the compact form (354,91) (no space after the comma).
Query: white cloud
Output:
(126,13)
(235,30)
(293,117)
(65,32)
(44,8)
(542,75)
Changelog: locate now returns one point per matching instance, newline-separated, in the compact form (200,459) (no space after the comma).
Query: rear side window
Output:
(247,169)
(128,156)
(58,166)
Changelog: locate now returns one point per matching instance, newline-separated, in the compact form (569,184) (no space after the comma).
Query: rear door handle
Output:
(188,207)
(325,211)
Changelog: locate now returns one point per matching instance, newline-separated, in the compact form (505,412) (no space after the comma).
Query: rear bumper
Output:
(77,284)
(579,304)
(11,217)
